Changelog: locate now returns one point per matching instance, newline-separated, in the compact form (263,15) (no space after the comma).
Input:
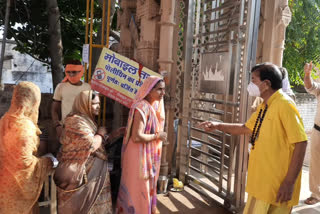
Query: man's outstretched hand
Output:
(208,126)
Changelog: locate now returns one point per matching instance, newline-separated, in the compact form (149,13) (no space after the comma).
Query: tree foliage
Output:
(29,27)
(302,38)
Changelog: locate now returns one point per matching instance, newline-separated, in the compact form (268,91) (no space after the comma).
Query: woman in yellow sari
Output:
(82,176)
(21,172)
(141,150)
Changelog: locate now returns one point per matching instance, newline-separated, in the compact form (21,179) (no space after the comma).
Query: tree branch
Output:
(33,56)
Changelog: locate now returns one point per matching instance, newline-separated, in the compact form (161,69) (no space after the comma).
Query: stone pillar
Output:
(147,17)
(167,27)
(126,44)
(275,17)
(125,48)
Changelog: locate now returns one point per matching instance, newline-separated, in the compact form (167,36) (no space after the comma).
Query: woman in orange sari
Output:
(82,176)
(141,151)
(21,172)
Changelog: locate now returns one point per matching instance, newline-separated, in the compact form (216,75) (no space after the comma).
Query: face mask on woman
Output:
(253,90)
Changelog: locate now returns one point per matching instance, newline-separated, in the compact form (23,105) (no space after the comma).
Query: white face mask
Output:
(253,90)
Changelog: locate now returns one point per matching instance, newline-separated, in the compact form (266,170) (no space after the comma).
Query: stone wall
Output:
(5,98)
(307,106)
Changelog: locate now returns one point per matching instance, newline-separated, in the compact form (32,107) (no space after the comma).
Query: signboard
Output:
(214,69)
(117,77)
(85,53)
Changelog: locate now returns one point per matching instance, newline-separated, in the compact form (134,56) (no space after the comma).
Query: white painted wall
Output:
(22,67)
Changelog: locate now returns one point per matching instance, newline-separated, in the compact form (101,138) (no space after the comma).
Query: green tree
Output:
(302,38)
(29,27)
(32,27)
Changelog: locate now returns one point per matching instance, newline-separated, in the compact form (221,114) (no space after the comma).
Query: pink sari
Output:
(141,161)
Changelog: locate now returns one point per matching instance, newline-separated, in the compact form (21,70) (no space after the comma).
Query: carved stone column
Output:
(125,48)
(126,44)
(275,17)
(147,17)
(167,27)
(283,20)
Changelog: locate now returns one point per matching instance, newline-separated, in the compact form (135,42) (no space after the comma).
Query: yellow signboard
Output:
(119,77)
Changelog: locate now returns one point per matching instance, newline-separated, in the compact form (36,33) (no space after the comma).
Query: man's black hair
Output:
(271,72)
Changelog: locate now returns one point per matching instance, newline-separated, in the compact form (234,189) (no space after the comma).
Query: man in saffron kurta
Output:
(279,142)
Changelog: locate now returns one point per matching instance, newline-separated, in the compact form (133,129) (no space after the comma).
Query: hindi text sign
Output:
(117,77)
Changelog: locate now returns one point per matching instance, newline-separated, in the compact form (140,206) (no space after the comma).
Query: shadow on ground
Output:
(187,201)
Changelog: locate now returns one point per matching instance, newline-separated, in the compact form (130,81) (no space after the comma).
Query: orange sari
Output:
(21,172)
(141,161)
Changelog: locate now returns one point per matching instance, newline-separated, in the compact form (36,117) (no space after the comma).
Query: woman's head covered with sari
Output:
(79,130)
(19,142)
(143,92)
(26,101)
(82,104)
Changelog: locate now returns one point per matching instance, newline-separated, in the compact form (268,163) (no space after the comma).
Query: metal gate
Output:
(220,46)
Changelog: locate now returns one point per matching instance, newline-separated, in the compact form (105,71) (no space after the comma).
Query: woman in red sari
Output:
(141,151)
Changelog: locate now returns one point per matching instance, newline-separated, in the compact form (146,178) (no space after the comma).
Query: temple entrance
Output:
(221,40)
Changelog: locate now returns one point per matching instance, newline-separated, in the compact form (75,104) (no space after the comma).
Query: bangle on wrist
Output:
(156,136)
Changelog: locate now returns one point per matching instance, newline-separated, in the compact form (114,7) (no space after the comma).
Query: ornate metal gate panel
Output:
(220,44)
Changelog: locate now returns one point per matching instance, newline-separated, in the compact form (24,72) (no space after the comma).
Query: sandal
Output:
(311,200)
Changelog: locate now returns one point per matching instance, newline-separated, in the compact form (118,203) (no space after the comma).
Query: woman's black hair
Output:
(271,72)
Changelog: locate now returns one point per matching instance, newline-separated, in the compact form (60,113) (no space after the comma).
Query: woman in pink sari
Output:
(141,151)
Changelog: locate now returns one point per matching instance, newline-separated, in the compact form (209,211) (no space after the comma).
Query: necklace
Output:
(257,126)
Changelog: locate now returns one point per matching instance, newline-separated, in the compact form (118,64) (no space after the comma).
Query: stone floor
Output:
(187,202)
(304,194)
(190,202)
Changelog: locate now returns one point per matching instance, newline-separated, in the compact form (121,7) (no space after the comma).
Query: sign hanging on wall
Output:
(119,77)
(214,68)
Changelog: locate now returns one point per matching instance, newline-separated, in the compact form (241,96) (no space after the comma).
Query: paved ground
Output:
(304,194)
(190,202)
(187,202)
